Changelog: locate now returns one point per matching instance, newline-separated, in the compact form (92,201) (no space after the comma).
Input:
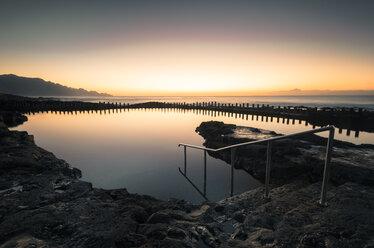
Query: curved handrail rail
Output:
(259,141)
(269,141)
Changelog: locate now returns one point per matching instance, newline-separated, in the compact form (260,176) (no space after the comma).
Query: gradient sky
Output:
(190,47)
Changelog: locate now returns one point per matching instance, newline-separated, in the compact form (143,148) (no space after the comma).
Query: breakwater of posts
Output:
(355,119)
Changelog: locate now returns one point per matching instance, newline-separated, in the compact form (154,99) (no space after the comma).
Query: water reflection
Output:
(203,192)
(215,114)
(137,148)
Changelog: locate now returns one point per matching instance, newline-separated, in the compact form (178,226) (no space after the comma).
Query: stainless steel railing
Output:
(269,141)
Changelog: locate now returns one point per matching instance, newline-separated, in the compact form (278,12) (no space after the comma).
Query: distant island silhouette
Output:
(24,86)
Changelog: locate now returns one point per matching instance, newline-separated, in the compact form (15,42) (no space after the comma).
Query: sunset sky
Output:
(190,47)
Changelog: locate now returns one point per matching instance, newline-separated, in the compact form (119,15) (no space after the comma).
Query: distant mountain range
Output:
(24,86)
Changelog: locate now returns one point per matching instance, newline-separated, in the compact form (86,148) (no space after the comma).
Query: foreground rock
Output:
(44,204)
(292,218)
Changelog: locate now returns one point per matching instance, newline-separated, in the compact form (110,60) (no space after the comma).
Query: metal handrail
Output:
(269,141)
(203,194)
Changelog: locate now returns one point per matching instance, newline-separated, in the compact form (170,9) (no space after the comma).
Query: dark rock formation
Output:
(292,218)
(12,119)
(292,157)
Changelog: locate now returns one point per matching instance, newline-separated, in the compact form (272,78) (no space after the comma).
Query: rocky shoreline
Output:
(45,204)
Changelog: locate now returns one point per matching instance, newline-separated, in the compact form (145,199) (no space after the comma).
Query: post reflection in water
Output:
(212,113)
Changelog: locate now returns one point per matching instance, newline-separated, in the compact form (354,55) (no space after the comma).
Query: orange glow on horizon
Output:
(160,69)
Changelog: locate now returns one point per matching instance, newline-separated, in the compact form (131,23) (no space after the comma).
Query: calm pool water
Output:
(137,149)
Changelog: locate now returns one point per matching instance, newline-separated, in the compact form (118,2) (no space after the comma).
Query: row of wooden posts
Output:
(237,107)
(217,105)
(213,113)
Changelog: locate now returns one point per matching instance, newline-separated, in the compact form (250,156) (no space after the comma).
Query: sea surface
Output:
(138,149)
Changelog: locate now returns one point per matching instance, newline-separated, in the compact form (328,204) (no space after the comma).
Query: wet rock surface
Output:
(45,204)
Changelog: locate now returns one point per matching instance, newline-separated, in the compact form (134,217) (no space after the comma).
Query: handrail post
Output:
(185,160)
(233,150)
(268,168)
(204,172)
(326,171)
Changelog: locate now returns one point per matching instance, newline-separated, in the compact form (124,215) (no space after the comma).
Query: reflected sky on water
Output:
(137,149)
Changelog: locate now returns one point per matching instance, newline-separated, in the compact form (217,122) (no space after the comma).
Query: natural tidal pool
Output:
(138,149)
